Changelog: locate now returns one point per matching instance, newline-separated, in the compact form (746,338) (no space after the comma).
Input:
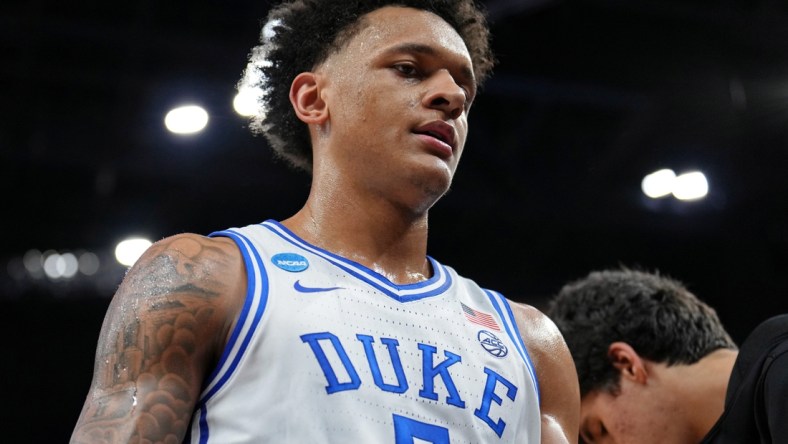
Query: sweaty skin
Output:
(558,384)
(162,333)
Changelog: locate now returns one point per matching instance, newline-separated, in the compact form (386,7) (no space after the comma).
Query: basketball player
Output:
(656,365)
(334,325)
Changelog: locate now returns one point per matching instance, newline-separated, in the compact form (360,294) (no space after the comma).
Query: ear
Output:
(628,362)
(306,99)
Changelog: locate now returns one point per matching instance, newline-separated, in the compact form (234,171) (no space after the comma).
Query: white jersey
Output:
(327,350)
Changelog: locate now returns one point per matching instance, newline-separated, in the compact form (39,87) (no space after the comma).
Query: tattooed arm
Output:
(163,332)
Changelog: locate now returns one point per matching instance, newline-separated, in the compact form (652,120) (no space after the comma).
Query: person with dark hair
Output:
(334,325)
(316,30)
(655,364)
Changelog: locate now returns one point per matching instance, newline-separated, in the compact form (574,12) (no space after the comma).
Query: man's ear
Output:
(306,99)
(628,362)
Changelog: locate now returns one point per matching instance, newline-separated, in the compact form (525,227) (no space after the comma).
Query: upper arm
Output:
(558,384)
(162,333)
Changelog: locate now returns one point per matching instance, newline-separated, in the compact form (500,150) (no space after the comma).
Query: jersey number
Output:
(406,430)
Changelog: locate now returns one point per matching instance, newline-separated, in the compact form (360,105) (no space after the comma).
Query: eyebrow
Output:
(418,48)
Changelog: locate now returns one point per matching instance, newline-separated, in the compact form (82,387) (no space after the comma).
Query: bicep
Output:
(558,385)
(156,344)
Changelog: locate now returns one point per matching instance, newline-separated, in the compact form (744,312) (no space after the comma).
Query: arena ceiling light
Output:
(128,251)
(691,186)
(686,187)
(246,102)
(659,183)
(187,119)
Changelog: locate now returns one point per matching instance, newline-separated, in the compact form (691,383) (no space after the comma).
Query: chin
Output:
(433,190)
(429,182)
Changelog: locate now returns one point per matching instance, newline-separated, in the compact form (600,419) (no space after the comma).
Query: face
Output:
(398,95)
(638,414)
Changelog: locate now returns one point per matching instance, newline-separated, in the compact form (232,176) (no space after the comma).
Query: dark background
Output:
(588,97)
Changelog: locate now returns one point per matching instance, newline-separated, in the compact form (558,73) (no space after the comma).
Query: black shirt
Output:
(756,403)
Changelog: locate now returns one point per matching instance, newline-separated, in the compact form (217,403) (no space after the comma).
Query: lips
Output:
(439,130)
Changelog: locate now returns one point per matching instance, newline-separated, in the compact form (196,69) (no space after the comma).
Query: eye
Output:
(593,433)
(585,437)
(406,69)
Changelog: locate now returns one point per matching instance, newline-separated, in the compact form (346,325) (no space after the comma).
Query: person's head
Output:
(302,35)
(620,323)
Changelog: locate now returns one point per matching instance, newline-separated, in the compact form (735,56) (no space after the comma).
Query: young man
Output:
(656,365)
(334,325)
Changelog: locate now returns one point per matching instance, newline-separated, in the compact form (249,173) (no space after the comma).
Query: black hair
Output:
(656,315)
(300,34)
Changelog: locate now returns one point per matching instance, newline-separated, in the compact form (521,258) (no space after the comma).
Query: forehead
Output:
(394,25)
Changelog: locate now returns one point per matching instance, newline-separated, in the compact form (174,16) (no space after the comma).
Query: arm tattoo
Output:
(157,340)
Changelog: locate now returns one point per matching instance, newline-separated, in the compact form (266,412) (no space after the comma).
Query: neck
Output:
(373,231)
(703,385)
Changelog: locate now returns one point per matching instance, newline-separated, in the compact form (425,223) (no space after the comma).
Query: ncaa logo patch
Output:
(290,262)
(492,344)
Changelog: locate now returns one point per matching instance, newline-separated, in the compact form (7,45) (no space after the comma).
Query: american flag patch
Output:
(480,317)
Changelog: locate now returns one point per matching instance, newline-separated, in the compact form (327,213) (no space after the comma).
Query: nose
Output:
(446,95)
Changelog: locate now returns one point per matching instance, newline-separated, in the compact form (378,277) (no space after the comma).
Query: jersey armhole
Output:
(501,305)
(248,319)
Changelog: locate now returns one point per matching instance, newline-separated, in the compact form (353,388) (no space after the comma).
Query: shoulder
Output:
(539,333)
(774,327)
(758,378)
(187,272)
(767,338)
(768,341)
(545,344)
(191,257)
(200,248)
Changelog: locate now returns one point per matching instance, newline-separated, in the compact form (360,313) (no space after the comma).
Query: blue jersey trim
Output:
(253,264)
(513,331)
(403,293)
(204,433)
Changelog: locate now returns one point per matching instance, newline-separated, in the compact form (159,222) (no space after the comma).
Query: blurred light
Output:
(128,251)
(246,102)
(687,186)
(186,119)
(88,263)
(69,265)
(57,266)
(659,183)
(33,262)
(691,186)
(50,266)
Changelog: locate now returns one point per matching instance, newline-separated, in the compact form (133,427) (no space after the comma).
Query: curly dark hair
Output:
(654,314)
(301,34)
